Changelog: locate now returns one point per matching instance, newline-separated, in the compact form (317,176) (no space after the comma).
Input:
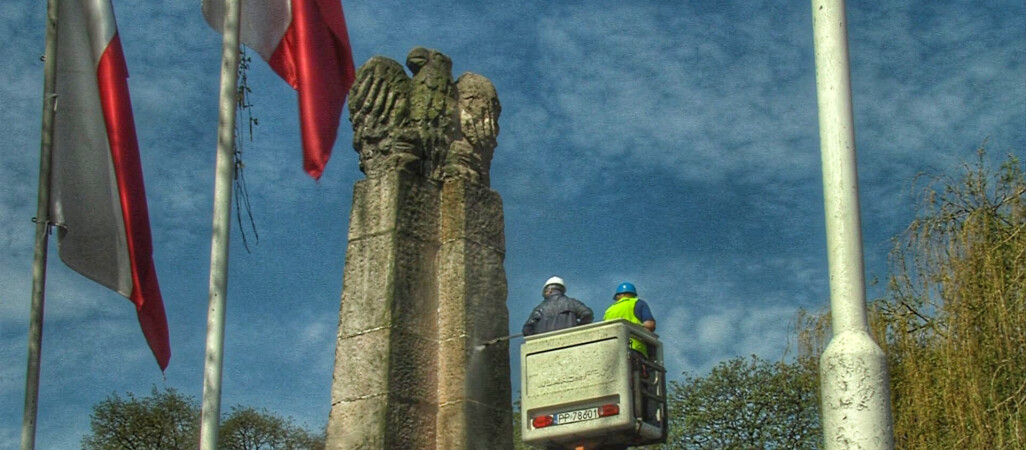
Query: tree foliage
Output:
(164,420)
(746,403)
(953,322)
(249,429)
(169,420)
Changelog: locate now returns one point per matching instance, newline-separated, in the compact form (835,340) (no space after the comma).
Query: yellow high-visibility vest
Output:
(624,309)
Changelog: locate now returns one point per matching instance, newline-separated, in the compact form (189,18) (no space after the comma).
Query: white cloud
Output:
(713,331)
(665,89)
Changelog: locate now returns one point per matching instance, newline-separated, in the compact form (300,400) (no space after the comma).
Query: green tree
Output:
(249,429)
(169,420)
(746,403)
(164,420)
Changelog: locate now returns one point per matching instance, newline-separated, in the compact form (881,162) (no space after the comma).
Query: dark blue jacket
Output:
(556,312)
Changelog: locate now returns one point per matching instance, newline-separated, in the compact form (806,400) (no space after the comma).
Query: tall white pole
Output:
(35,334)
(855,387)
(225,172)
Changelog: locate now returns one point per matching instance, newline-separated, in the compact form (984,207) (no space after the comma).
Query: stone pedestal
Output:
(424,282)
(474,387)
(383,393)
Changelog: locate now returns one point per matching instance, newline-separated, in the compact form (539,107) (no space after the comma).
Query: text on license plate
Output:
(575,416)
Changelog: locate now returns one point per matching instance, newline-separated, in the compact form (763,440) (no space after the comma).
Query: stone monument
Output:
(424,282)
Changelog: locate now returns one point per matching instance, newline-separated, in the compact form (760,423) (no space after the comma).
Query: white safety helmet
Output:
(555,280)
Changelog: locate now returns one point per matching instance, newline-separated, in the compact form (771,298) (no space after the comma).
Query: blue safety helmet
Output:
(626,288)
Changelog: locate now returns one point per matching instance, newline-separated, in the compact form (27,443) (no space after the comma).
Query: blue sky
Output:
(670,144)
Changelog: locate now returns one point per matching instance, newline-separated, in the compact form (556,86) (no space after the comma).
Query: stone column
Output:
(474,384)
(424,282)
(383,392)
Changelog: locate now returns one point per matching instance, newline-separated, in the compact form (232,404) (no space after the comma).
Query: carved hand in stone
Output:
(479,111)
(379,97)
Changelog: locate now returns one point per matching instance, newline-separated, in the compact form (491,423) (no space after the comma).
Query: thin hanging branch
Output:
(245,108)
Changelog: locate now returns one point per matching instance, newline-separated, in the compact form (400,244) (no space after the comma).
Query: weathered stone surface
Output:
(379,108)
(452,434)
(395,202)
(470,154)
(381,423)
(368,286)
(413,376)
(358,424)
(410,425)
(427,124)
(472,309)
(473,291)
(375,370)
(471,374)
(472,211)
(367,368)
(389,282)
(415,305)
(424,281)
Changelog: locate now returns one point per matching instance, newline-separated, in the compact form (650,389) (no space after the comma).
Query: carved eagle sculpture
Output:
(426,124)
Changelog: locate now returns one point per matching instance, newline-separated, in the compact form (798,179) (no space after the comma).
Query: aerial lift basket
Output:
(584,386)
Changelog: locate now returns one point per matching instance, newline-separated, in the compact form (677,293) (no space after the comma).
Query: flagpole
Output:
(225,171)
(35,334)
(854,383)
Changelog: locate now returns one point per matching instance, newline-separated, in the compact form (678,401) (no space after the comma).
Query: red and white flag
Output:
(97,199)
(307,44)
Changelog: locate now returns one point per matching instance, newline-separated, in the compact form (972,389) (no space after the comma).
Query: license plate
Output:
(579,415)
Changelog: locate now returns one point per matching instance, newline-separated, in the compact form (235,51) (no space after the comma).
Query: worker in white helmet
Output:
(557,311)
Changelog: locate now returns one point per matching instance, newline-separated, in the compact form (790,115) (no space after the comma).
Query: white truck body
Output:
(583,386)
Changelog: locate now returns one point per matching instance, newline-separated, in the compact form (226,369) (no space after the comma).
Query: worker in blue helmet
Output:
(626,305)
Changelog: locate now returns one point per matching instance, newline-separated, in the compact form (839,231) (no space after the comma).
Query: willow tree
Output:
(954,320)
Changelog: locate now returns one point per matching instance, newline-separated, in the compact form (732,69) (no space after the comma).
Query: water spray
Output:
(482,346)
